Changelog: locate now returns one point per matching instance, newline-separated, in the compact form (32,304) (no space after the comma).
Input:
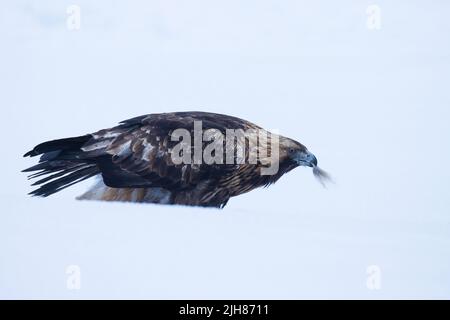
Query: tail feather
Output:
(49,166)
(68,180)
(59,145)
(62,164)
(57,175)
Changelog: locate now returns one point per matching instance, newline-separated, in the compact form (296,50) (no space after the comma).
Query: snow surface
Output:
(373,105)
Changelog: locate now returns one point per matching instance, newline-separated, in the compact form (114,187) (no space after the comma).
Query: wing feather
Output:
(140,149)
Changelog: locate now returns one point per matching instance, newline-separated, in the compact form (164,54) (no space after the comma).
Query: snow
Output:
(372,105)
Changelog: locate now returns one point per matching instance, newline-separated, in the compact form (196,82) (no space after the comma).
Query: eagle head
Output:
(296,154)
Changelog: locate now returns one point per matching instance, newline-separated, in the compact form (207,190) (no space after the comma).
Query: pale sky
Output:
(372,105)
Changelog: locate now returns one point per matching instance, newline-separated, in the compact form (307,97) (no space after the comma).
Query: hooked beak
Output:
(306,158)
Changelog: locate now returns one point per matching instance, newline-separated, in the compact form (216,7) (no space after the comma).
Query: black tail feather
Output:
(67,180)
(63,163)
(49,166)
(57,175)
(59,145)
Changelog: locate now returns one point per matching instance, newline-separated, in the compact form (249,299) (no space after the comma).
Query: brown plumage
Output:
(134,162)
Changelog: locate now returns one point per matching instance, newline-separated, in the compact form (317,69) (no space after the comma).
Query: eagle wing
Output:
(137,153)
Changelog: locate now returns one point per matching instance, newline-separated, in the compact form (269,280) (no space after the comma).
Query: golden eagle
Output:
(135,160)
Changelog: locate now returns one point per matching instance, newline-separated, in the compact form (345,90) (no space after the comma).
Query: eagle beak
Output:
(306,158)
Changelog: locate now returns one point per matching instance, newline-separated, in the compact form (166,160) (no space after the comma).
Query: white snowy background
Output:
(372,104)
